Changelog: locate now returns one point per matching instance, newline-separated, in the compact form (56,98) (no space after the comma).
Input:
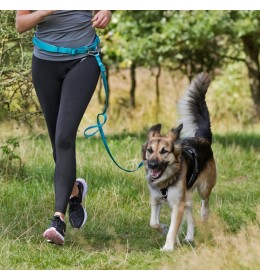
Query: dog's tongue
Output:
(155,173)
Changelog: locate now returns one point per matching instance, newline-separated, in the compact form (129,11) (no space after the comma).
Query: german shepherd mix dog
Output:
(175,166)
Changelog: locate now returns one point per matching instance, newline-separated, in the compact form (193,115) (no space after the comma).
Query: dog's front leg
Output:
(176,218)
(155,217)
(190,221)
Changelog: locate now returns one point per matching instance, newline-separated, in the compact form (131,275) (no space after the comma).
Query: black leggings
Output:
(64,90)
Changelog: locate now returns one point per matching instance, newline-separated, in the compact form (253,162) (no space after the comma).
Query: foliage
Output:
(10,161)
(244,22)
(191,41)
(186,41)
(229,97)
(17,99)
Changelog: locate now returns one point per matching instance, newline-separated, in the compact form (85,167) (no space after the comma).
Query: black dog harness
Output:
(164,192)
(192,154)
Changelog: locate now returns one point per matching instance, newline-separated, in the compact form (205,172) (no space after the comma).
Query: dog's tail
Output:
(193,109)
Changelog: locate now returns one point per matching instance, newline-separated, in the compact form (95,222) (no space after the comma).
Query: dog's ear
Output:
(175,132)
(155,131)
(143,151)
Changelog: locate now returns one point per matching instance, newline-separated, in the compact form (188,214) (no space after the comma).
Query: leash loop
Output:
(96,126)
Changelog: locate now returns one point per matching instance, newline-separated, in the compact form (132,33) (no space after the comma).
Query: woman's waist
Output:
(67,39)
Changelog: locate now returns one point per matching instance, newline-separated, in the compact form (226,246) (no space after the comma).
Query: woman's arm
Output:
(101,19)
(26,20)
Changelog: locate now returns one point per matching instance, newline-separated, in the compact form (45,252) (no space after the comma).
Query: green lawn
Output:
(117,234)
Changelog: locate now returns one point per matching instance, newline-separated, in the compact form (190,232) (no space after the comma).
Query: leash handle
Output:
(99,125)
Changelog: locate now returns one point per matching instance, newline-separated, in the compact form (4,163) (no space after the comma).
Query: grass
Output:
(117,235)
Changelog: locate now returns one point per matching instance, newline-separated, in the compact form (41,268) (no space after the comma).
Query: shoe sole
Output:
(53,236)
(84,193)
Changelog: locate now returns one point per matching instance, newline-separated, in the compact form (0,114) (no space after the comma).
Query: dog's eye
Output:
(150,150)
(163,151)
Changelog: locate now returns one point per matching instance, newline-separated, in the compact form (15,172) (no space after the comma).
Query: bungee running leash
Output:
(93,50)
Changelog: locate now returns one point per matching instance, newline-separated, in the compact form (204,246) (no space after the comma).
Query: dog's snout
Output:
(153,164)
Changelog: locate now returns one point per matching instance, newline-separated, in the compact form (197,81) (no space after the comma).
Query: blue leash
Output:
(93,50)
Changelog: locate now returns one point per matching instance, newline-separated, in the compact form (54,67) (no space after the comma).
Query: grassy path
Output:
(117,234)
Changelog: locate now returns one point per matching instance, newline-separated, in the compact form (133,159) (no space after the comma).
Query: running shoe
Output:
(56,231)
(77,213)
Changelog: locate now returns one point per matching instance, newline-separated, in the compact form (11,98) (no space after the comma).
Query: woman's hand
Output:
(101,19)
(26,20)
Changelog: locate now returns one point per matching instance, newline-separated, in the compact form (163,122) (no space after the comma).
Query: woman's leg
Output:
(77,89)
(47,80)
(64,89)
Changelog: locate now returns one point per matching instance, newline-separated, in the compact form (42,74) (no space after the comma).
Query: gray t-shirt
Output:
(71,29)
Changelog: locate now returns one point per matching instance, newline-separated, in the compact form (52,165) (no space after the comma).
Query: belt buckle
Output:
(93,52)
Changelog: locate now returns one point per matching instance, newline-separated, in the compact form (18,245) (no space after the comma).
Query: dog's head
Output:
(161,154)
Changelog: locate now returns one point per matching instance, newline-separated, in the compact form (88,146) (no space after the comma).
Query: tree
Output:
(135,39)
(16,91)
(191,41)
(198,41)
(245,29)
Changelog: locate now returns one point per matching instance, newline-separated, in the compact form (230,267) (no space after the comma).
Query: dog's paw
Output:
(204,217)
(166,248)
(188,241)
(204,213)
(164,229)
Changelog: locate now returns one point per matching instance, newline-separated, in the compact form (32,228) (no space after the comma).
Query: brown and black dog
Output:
(176,165)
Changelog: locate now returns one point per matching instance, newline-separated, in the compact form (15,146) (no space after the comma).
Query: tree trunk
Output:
(133,85)
(157,77)
(251,48)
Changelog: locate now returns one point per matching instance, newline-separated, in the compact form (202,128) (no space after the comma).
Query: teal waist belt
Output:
(91,49)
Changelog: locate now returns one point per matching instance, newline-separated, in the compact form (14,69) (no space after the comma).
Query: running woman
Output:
(64,85)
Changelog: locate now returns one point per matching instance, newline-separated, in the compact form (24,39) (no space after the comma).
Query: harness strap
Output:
(191,152)
(89,50)
(164,192)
